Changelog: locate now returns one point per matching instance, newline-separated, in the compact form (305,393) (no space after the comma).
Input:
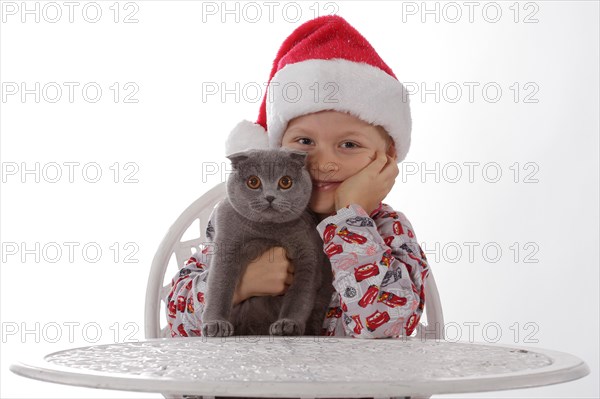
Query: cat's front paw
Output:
(286,327)
(218,328)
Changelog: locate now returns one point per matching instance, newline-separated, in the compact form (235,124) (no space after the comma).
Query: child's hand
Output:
(270,274)
(370,185)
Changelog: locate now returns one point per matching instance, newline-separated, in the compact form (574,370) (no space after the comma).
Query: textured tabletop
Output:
(302,366)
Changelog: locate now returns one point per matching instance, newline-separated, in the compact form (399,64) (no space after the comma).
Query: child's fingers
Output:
(388,165)
(392,167)
(283,253)
(387,177)
(377,165)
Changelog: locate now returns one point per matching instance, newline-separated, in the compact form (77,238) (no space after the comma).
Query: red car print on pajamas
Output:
(195,262)
(392,300)
(351,237)
(411,324)
(181,330)
(398,228)
(333,249)
(181,303)
(172,310)
(386,258)
(358,324)
(369,296)
(376,320)
(329,233)
(344,307)
(191,260)
(365,271)
(388,240)
(334,312)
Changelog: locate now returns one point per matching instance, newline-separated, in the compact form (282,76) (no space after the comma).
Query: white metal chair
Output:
(201,209)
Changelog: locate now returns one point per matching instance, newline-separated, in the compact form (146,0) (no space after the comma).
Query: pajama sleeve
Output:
(185,302)
(378,270)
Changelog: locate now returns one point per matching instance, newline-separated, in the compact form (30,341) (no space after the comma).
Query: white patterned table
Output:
(304,367)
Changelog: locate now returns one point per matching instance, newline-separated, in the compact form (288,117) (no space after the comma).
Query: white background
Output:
(548,211)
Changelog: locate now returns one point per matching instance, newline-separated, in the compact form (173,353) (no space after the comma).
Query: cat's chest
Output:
(234,225)
(276,231)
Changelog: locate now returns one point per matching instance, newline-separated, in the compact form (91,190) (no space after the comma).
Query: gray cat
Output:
(267,206)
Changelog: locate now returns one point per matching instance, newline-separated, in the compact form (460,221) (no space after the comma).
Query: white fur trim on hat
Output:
(246,135)
(358,88)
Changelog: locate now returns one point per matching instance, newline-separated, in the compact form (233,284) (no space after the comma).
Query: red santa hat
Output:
(326,64)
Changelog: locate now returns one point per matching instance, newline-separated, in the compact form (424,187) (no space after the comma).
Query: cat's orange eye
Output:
(253,182)
(285,182)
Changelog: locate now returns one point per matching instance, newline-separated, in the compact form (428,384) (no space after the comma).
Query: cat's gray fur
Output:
(246,225)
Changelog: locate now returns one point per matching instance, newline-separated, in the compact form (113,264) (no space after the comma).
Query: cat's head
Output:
(271,185)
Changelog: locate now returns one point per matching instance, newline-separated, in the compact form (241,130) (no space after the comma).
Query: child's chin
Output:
(322,207)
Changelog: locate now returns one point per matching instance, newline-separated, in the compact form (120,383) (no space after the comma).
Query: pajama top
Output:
(378,274)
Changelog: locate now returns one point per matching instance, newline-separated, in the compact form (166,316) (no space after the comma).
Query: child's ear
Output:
(391,149)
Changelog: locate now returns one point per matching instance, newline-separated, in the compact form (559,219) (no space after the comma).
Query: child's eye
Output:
(304,140)
(352,145)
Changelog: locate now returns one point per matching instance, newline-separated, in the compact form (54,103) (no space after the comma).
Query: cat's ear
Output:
(237,158)
(298,156)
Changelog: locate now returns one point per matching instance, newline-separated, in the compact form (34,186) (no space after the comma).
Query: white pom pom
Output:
(246,135)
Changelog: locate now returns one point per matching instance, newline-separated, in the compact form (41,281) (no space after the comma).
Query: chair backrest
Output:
(201,209)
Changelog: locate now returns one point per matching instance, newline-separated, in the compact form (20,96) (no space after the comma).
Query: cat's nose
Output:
(270,198)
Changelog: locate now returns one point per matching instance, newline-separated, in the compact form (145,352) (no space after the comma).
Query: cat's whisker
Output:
(258,205)
(283,206)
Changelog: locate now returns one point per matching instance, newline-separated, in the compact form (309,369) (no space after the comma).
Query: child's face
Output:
(339,145)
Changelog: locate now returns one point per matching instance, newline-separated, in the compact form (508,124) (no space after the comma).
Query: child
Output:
(330,94)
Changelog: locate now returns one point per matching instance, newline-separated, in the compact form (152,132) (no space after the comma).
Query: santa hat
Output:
(326,64)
